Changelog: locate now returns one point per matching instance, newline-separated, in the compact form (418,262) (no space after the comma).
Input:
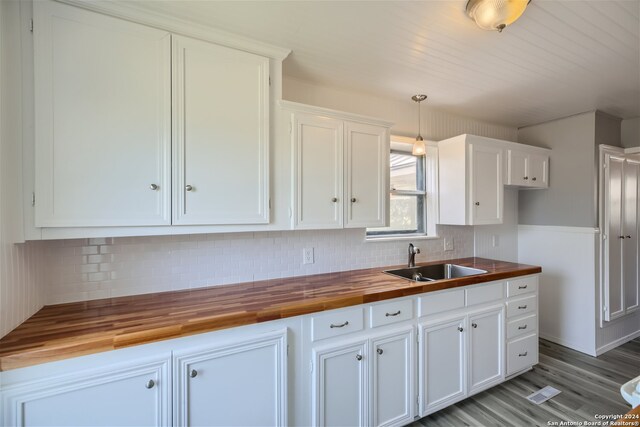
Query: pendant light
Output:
(495,15)
(418,147)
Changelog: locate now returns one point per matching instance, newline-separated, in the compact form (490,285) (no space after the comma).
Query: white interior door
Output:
(318,176)
(392,379)
(221,134)
(538,171)
(366,175)
(630,226)
(486,352)
(340,385)
(103,119)
(442,364)
(486,186)
(613,294)
(517,168)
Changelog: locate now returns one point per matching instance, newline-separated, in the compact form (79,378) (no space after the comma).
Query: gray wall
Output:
(630,132)
(569,201)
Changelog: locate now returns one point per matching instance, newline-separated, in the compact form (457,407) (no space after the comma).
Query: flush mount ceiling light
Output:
(495,14)
(418,147)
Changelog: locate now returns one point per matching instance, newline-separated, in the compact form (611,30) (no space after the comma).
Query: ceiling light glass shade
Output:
(419,148)
(495,14)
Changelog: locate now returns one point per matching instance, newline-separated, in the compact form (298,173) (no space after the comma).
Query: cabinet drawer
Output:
(391,312)
(520,306)
(484,293)
(522,353)
(522,326)
(522,286)
(443,301)
(337,323)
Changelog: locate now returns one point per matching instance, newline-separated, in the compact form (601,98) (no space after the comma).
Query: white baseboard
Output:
(564,343)
(616,343)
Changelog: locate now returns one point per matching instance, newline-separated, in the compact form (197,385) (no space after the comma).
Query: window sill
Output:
(399,238)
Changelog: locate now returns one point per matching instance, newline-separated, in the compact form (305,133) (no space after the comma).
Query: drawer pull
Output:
(475,325)
(523,354)
(193,373)
(339,326)
(358,357)
(460,328)
(392,314)
(522,307)
(522,327)
(379,351)
(522,287)
(150,384)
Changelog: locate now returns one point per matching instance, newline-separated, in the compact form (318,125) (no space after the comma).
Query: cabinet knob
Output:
(620,237)
(353,200)
(193,373)
(154,187)
(188,187)
(533,179)
(358,357)
(477,203)
(334,199)
(460,328)
(526,177)
(474,325)
(628,237)
(379,351)
(150,384)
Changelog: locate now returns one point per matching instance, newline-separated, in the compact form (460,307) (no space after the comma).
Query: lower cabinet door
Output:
(486,361)
(135,394)
(442,364)
(340,385)
(392,379)
(237,384)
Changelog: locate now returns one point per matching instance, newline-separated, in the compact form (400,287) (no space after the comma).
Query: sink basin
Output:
(431,273)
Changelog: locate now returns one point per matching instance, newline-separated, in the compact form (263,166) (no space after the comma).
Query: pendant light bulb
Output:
(419,148)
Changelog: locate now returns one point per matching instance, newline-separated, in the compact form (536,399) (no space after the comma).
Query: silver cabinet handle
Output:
(193,373)
(150,384)
(522,287)
(460,328)
(358,357)
(523,354)
(522,307)
(379,351)
(526,177)
(342,325)
(153,187)
(392,314)
(522,327)
(534,178)
(188,187)
(477,203)
(353,200)
(474,325)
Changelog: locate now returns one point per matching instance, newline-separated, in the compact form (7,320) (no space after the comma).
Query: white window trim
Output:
(403,143)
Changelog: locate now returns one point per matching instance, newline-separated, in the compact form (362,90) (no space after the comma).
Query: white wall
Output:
(21,287)
(630,132)
(505,234)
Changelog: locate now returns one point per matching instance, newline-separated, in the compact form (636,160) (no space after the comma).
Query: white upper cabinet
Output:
(103,119)
(526,169)
(471,185)
(340,169)
(221,134)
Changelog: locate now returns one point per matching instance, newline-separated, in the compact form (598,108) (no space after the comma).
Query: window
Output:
(410,207)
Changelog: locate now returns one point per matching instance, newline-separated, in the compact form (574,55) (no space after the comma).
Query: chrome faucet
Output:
(412,255)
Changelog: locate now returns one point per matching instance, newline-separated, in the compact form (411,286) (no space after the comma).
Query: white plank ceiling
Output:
(561,58)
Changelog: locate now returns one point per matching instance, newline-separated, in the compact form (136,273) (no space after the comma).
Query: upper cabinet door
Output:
(486,184)
(538,171)
(366,175)
(517,168)
(103,119)
(318,168)
(221,134)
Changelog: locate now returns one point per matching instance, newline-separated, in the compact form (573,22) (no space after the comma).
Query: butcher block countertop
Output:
(63,331)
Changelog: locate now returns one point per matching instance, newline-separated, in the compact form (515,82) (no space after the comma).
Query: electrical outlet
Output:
(307,256)
(448,243)
(496,241)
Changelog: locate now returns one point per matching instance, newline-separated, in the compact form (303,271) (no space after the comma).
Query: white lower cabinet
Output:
(133,394)
(364,382)
(242,383)
(459,356)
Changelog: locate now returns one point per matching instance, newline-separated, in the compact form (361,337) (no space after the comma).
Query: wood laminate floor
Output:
(589,386)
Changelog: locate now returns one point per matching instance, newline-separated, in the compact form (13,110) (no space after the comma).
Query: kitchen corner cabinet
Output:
(471,180)
(526,169)
(340,169)
(109,127)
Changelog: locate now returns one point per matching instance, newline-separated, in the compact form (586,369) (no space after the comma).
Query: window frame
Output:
(427,188)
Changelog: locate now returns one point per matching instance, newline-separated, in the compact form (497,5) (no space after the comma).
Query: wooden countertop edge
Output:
(90,345)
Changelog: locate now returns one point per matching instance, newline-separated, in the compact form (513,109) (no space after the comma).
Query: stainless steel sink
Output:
(431,273)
